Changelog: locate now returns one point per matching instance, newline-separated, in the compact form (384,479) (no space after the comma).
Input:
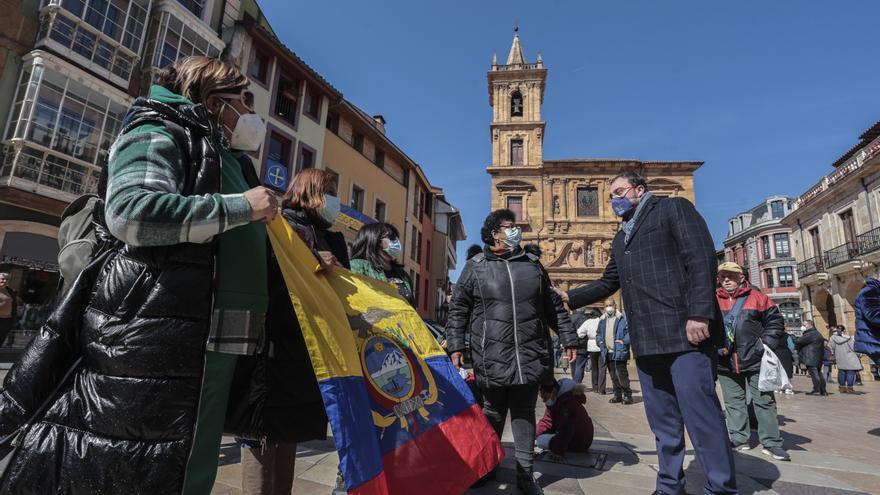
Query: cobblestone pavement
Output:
(834,443)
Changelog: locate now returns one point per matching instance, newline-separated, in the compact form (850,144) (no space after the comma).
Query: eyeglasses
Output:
(620,192)
(246,97)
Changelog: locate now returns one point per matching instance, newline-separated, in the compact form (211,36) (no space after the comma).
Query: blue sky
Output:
(768,94)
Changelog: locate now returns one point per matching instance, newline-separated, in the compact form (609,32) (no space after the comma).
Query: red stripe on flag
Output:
(376,486)
(447,459)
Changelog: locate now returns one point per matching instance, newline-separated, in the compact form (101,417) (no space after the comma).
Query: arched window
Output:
(516,104)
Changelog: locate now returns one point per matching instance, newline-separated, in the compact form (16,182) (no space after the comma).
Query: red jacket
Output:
(758,320)
(569,420)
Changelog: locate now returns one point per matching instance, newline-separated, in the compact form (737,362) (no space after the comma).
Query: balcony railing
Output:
(869,241)
(811,266)
(844,170)
(841,254)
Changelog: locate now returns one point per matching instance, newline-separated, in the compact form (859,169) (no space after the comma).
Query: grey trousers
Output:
(268,471)
(520,400)
(733,387)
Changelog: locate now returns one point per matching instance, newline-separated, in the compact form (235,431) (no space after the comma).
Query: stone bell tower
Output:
(516,93)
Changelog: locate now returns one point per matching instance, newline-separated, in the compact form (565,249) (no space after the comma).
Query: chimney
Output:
(379,121)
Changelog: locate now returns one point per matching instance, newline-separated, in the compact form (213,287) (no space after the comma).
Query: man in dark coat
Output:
(504,300)
(811,349)
(752,322)
(664,261)
(867,306)
(579,365)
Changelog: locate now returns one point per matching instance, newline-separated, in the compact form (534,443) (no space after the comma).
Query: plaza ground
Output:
(834,444)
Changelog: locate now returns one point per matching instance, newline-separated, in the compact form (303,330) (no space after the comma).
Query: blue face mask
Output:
(514,237)
(331,208)
(621,206)
(393,249)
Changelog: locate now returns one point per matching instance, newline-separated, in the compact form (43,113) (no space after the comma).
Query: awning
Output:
(30,250)
(352,218)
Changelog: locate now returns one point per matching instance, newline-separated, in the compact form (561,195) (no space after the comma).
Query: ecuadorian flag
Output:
(402,418)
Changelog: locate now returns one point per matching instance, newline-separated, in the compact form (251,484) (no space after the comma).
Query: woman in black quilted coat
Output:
(137,319)
(504,302)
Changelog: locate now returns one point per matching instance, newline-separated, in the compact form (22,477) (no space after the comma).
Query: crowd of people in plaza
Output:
(150,356)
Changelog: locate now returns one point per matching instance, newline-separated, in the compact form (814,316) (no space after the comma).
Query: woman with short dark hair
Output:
(505,303)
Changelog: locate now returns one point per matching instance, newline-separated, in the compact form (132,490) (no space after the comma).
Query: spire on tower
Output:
(494,59)
(516,53)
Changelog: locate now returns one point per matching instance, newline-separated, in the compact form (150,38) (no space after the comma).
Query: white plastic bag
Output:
(772,376)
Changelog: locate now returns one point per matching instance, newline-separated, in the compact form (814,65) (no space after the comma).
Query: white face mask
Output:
(249,132)
(609,310)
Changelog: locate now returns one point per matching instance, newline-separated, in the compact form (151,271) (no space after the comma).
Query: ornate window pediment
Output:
(515,185)
(665,187)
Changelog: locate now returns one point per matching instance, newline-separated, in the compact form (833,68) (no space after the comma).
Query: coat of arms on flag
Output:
(399,411)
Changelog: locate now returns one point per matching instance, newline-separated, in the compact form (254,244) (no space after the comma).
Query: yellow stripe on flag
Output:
(320,313)
(378,306)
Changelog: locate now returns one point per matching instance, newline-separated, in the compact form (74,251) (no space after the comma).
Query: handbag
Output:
(10,444)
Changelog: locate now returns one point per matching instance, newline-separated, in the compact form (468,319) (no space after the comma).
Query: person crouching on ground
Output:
(566,425)
(751,322)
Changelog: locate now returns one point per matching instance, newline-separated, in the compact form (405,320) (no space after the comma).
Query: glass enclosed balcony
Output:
(173,36)
(59,133)
(104,36)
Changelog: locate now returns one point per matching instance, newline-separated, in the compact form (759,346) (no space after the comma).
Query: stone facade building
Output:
(836,231)
(759,242)
(560,204)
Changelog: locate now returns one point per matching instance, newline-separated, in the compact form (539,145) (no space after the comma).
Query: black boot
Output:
(627,399)
(616,399)
(490,476)
(525,481)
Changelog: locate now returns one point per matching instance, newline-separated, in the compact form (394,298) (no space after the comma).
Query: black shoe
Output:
(615,400)
(741,447)
(813,393)
(777,453)
(525,481)
(490,476)
(627,399)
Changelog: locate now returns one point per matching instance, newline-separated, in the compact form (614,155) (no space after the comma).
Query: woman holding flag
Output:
(504,301)
(310,206)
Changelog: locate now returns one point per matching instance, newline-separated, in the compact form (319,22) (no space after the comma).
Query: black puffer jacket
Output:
(507,306)
(811,347)
(294,409)
(139,318)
